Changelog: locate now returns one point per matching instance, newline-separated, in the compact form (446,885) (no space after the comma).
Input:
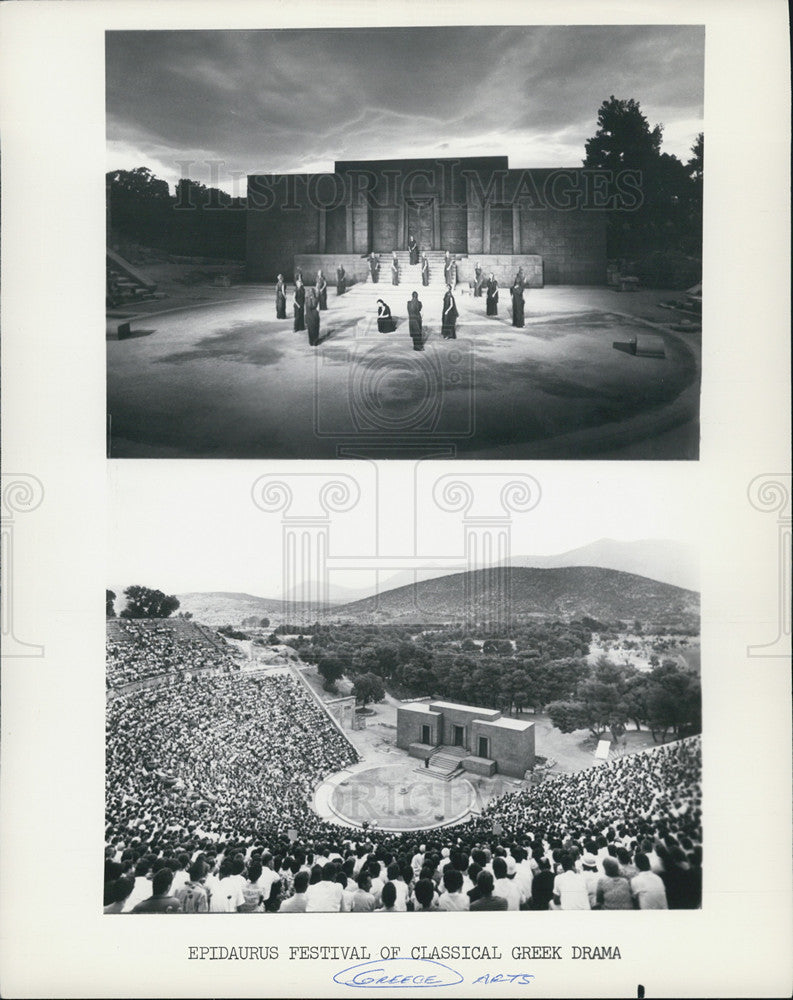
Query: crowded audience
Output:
(208,786)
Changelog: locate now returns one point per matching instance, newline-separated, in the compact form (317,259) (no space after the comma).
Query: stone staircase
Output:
(410,274)
(446,762)
(125,283)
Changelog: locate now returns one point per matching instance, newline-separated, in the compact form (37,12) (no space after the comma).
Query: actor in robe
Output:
(322,290)
(413,249)
(280,298)
(298,303)
(479,280)
(312,316)
(447,268)
(414,322)
(492,296)
(374,267)
(517,304)
(385,321)
(341,280)
(519,279)
(449,316)
(425,270)
(395,269)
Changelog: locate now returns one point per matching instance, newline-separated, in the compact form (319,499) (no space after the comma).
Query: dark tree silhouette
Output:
(110,611)
(143,602)
(368,687)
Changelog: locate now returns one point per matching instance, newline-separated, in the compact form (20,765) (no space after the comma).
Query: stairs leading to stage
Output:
(446,762)
(410,274)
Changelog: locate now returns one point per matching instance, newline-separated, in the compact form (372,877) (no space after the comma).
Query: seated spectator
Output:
(487,901)
(160,901)
(647,888)
(613,891)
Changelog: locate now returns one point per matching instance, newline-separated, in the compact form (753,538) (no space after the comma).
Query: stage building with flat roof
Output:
(483,741)
(551,222)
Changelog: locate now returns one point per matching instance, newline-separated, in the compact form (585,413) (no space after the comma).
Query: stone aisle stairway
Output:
(445,762)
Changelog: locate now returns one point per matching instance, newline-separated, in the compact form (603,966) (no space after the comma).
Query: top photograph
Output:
(410,242)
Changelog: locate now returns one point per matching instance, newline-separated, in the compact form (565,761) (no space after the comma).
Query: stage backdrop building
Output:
(484,742)
(551,222)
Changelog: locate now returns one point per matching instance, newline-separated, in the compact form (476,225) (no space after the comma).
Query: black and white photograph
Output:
(521,736)
(299,221)
(404,547)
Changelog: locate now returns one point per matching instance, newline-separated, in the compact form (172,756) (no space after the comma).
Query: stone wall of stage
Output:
(504,268)
(473,206)
(355,268)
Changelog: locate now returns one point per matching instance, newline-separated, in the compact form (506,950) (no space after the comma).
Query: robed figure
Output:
(492,296)
(449,317)
(479,280)
(425,271)
(312,316)
(298,303)
(280,298)
(341,280)
(447,268)
(413,249)
(517,304)
(385,321)
(395,269)
(519,279)
(374,267)
(322,290)
(414,322)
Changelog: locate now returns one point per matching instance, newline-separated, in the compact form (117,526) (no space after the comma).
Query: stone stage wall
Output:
(472,206)
(503,266)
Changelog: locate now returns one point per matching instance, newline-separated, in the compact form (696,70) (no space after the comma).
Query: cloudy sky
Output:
(297,100)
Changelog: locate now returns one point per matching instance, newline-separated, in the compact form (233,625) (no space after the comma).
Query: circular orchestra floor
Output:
(398,797)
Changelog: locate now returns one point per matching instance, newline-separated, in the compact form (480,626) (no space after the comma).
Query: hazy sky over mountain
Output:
(172,526)
(297,100)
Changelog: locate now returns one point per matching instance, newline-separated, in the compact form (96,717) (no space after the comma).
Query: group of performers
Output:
(449,266)
(309,302)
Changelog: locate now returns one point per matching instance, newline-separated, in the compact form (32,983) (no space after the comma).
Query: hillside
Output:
(564,593)
(228,608)
(666,560)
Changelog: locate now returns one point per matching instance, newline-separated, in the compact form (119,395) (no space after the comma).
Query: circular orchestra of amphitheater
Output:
(217,759)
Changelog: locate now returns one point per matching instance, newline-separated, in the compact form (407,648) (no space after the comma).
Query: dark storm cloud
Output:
(300,99)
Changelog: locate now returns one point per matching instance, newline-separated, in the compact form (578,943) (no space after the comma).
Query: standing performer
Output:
(517,303)
(453,272)
(298,302)
(414,322)
(492,296)
(425,270)
(374,267)
(413,249)
(449,319)
(341,280)
(447,268)
(385,321)
(312,317)
(395,269)
(519,279)
(322,290)
(478,280)
(280,298)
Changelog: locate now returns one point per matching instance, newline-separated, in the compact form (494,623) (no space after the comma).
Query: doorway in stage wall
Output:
(459,736)
(426,735)
(484,748)
(420,223)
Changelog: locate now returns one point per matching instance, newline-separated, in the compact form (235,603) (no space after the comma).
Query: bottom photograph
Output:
(406,751)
